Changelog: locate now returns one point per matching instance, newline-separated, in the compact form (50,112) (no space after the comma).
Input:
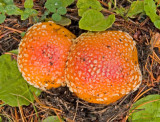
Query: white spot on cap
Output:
(43,26)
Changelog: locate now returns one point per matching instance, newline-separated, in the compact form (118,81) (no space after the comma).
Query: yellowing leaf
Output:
(64,21)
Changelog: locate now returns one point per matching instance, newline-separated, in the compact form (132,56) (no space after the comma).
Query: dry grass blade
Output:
(21,111)
(76,110)
(44,106)
(64,100)
(1,102)
(3,35)
(12,29)
(16,114)
(140,93)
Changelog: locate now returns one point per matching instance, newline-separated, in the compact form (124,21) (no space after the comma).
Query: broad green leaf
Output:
(64,21)
(2,18)
(2,10)
(13,10)
(157,24)
(8,2)
(0,119)
(94,20)
(52,119)
(84,5)
(28,3)
(109,21)
(66,3)
(146,109)
(14,90)
(150,9)
(136,8)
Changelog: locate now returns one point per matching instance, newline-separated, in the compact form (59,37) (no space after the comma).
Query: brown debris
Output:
(74,109)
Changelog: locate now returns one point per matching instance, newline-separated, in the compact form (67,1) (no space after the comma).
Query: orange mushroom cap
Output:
(103,67)
(43,53)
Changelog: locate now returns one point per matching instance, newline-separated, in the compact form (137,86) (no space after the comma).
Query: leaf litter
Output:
(71,108)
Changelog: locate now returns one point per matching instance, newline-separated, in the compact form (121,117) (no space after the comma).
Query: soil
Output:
(73,108)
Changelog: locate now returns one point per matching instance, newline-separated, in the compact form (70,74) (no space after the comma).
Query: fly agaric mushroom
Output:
(103,67)
(43,53)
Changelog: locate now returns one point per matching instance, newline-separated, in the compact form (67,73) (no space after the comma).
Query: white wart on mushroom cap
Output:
(103,67)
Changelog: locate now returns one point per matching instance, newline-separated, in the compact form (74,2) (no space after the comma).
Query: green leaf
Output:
(93,20)
(14,90)
(52,119)
(22,34)
(53,4)
(13,10)
(84,5)
(150,9)
(2,18)
(66,3)
(146,109)
(28,12)
(2,10)
(61,10)
(109,21)
(14,51)
(56,17)
(136,8)
(121,11)
(8,2)
(157,24)
(52,9)
(64,21)
(0,119)
(24,16)
(31,11)
(28,3)
(44,15)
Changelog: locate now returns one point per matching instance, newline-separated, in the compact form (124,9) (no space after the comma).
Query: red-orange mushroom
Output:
(43,53)
(103,67)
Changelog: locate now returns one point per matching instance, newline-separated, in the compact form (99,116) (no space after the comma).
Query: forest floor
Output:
(70,107)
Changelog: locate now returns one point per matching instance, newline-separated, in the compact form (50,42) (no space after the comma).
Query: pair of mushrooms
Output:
(97,67)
